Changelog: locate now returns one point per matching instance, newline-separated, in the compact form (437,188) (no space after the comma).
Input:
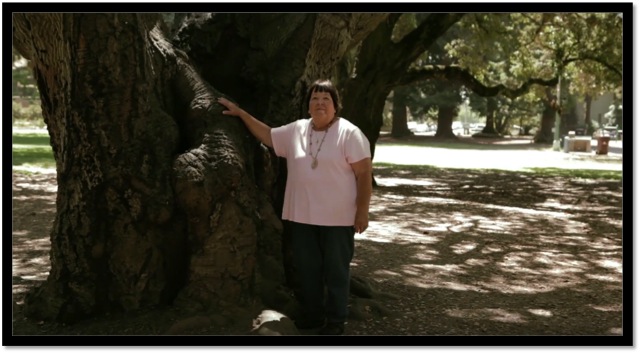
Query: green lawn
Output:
(32,150)
(586,174)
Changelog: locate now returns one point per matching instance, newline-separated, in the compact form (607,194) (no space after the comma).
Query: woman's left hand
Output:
(361,222)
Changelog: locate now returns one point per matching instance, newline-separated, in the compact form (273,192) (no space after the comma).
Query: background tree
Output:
(405,24)
(23,90)
(473,53)
(528,48)
(399,112)
(383,63)
(518,111)
(581,48)
(492,51)
(435,97)
(438,102)
(597,75)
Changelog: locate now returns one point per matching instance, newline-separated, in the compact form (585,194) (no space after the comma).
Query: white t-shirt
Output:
(325,195)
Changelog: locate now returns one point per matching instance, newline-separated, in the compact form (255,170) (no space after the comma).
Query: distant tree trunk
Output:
(161,198)
(399,113)
(548,118)
(570,119)
(446,114)
(589,129)
(490,128)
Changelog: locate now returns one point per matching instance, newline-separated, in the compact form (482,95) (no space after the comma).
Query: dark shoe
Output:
(309,324)
(332,329)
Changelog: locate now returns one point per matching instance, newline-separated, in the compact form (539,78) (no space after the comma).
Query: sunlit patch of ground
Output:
(33,210)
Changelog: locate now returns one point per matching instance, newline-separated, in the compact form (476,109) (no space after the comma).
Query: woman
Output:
(327,195)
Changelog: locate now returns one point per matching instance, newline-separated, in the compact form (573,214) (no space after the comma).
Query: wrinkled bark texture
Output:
(117,240)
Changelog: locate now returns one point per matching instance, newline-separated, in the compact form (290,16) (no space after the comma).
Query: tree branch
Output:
(458,75)
(595,59)
(417,41)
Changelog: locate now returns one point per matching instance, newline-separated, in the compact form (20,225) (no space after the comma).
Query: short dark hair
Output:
(324,85)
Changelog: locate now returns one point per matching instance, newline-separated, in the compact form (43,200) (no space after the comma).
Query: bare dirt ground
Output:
(452,252)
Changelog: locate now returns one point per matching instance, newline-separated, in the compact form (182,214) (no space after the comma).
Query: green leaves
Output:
(511,48)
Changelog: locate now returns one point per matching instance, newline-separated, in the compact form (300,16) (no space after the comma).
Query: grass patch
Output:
(462,144)
(408,168)
(586,174)
(543,172)
(437,144)
(421,170)
(31,139)
(32,150)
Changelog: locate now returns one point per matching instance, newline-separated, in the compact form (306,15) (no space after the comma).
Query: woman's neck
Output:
(316,127)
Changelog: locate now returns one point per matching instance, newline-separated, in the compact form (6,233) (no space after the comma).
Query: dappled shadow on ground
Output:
(460,252)
(472,252)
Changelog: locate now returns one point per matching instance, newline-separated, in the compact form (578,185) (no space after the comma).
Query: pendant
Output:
(314,163)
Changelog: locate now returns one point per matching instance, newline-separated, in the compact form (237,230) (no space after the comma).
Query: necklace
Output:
(320,145)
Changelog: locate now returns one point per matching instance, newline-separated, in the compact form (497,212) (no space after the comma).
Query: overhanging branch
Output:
(594,59)
(458,75)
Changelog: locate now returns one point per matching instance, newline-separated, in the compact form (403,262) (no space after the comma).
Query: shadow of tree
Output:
(472,252)
(461,252)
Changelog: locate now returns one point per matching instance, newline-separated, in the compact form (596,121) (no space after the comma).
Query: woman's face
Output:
(321,106)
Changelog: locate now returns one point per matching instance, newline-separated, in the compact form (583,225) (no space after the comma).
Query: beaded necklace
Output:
(320,145)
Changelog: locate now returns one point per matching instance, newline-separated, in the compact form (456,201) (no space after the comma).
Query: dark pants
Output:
(322,255)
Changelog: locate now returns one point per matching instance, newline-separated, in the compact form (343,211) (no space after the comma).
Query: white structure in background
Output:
(600,106)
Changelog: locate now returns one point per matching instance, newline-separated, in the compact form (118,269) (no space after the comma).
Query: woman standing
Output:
(327,195)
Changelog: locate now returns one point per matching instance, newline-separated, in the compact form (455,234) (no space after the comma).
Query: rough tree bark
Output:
(113,139)
(161,198)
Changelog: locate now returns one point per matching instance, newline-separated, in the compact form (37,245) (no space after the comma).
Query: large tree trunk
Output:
(117,240)
(161,198)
